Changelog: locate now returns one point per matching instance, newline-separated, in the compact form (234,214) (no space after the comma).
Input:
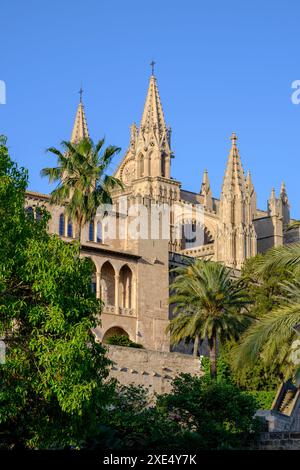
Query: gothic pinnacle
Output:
(80,129)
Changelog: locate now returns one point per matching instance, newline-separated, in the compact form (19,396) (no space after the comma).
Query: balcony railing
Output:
(124,311)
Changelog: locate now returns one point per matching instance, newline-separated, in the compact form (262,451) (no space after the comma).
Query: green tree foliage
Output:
(210,305)
(134,424)
(269,340)
(52,382)
(123,340)
(199,414)
(218,414)
(83,182)
(264,286)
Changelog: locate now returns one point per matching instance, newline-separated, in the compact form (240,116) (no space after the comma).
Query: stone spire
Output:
(80,129)
(249,184)
(283,193)
(153,116)
(148,156)
(285,205)
(206,192)
(153,123)
(279,214)
(234,179)
(236,237)
(251,196)
(152,144)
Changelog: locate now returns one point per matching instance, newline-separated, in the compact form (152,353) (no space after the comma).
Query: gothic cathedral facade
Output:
(132,274)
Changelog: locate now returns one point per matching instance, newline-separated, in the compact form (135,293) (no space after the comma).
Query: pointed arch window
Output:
(38,214)
(91,231)
(30,211)
(61,229)
(70,228)
(141,166)
(99,232)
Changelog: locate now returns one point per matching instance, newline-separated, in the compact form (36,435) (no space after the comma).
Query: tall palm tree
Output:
(211,306)
(83,183)
(270,338)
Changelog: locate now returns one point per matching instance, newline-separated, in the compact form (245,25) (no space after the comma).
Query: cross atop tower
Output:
(152,67)
(233,138)
(80,94)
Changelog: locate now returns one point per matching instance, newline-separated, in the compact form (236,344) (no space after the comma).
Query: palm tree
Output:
(211,306)
(271,337)
(82,180)
(286,256)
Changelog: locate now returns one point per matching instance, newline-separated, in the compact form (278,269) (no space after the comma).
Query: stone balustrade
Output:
(124,311)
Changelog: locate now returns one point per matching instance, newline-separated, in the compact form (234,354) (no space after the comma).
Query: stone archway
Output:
(114,330)
(126,291)
(108,284)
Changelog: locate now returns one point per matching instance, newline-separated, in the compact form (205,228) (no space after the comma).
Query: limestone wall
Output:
(153,369)
(279,441)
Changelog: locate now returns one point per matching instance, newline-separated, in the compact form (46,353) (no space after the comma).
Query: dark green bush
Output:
(122,340)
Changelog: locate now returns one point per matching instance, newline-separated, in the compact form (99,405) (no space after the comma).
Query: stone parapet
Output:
(152,369)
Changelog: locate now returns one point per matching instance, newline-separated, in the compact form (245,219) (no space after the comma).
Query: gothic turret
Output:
(152,150)
(285,205)
(251,195)
(236,238)
(80,129)
(279,211)
(206,192)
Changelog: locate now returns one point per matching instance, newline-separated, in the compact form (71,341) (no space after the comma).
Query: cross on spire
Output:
(233,138)
(152,63)
(80,93)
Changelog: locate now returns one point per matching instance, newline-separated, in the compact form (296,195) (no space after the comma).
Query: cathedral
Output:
(133,274)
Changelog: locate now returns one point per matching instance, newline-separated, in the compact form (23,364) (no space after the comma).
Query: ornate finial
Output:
(233,138)
(273,194)
(80,94)
(152,67)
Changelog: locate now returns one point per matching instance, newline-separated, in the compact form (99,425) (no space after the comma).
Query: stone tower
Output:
(279,212)
(236,237)
(146,167)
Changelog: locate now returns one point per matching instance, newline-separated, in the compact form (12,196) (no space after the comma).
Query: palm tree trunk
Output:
(196,346)
(213,356)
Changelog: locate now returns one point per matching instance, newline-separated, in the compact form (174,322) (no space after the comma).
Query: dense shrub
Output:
(199,414)
(122,340)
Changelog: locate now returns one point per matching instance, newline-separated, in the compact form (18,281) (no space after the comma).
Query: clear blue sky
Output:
(222,66)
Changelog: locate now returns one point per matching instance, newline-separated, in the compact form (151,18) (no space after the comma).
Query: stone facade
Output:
(132,275)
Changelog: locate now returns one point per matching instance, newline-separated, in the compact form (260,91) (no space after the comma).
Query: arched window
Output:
(94,281)
(61,229)
(29,211)
(91,231)
(38,214)
(99,232)
(141,166)
(108,284)
(163,166)
(126,287)
(70,228)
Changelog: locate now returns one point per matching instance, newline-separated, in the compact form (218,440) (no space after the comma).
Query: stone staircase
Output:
(285,410)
